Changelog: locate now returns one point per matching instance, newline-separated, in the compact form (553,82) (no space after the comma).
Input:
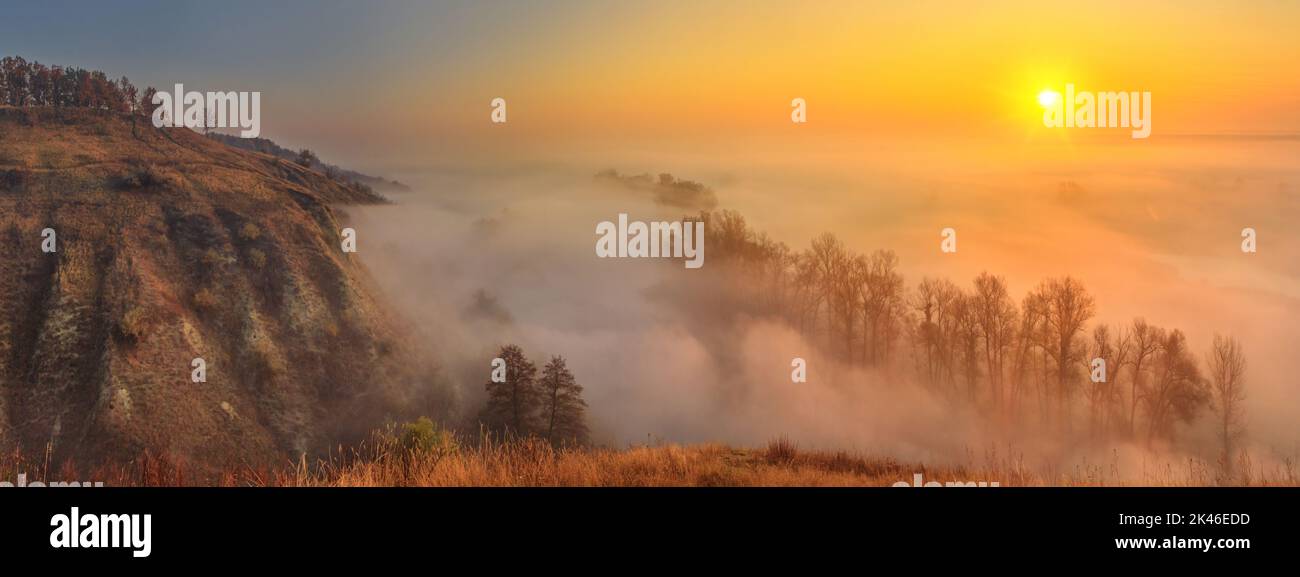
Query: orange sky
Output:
(368,84)
(682,70)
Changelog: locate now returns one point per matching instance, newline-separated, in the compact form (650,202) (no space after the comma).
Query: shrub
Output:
(142,177)
(256,258)
(306,158)
(212,258)
(134,325)
(14,178)
(250,232)
(424,437)
(149,177)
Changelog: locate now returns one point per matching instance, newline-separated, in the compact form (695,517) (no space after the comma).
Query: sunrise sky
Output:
(415,79)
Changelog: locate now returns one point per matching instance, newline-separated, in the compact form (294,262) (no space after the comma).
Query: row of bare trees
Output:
(1015,360)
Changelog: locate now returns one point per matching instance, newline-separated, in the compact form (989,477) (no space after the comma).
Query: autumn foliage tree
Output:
(24,83)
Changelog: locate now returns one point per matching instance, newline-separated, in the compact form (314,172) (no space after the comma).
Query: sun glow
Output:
(1048,98)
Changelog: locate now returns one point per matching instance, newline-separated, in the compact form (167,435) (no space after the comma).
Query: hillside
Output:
(267,146)
(172,246)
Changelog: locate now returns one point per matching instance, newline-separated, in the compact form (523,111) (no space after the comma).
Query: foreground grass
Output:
(386,461)
(780,464)
(535,464)
(392,460)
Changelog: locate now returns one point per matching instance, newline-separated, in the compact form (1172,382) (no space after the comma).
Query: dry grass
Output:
(386,460)
(532,463)
(536,464)
(453,462)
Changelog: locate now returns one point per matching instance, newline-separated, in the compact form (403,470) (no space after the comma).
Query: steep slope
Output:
(171,247)
(268,146)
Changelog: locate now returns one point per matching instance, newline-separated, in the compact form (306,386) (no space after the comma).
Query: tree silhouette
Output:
(1227,368)
(1069,306)
(880,296)
(147,106)
(563,411)
(995,316)
(306,158)
(1103,398)
(512,404)
(1146,342)
(1178,390)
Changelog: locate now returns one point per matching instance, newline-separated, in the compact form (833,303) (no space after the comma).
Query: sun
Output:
(1049,98)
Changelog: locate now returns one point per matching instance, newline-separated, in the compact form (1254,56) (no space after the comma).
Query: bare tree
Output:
(922,301)
(1029,349)
(1227,366)
(995,317)
(829,268)
(807,293)
(1146,342)
(1068,307)
(935,301)
(965,336)
(879,296)
(1113,352)
(1113,409)
(1178,391)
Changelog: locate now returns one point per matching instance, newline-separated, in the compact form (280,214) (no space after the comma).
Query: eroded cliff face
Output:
(171,247)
